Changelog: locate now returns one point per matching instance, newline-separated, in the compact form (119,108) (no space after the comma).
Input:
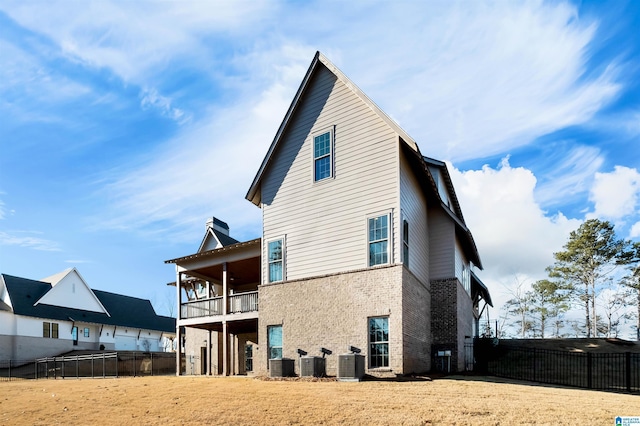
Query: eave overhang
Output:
(483,291)
(253,194)
(216,252)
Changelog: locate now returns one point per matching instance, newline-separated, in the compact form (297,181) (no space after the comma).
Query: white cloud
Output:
(34,243)
(133,39)
(615,194)
(635,230)
(150,98)
(572,174)
(515,237)
(207,169)
(476,79)
(25,81)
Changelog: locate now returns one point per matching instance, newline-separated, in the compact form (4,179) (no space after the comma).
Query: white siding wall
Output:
(7,323)
(324,223)
(441,245)
(413,205)
(32,327)
(4,294)
(72,292)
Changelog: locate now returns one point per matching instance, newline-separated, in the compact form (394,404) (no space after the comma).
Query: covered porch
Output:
(217,298)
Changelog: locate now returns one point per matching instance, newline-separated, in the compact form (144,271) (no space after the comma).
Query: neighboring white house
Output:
(61,313)
(363,245)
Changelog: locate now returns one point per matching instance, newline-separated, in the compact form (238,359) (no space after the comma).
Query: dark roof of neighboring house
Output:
(124,311)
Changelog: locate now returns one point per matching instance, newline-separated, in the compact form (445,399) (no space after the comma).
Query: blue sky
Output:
(124,125)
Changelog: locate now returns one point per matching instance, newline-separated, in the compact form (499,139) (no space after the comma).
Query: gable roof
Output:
(221,239)
(254,194)
(420,166)
(319,59)
(80,298)
(125,311)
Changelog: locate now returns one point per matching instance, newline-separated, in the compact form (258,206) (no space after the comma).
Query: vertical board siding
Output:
(441,244)
(325,222)
(413,205)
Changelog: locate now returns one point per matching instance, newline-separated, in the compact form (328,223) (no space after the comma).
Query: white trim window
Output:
(275,256)
(322,156)
(378,239)
(378,342)
(274,341)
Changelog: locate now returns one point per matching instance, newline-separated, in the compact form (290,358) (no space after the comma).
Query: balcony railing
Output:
(238,303)
(243,302)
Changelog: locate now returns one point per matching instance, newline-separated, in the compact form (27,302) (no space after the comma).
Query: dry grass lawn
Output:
(207,400)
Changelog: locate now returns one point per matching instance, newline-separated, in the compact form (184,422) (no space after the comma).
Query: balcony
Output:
(238,303)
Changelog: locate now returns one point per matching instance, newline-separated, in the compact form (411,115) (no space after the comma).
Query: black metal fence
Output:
(111,364)
(16,369)
(600,371)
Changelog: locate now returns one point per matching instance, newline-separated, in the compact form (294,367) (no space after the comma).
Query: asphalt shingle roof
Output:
(125,311)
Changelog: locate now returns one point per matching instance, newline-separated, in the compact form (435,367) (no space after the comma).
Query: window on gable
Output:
(405,242)
(54,330)
(378,240)
(379,342)
(322,153)
(46,329)
(276,260)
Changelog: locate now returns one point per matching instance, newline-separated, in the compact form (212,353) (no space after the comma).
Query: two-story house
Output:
(363,245)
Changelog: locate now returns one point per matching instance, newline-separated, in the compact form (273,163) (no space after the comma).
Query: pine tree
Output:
(589,257)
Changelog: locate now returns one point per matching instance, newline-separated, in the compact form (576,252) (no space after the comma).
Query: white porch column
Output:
(178,334)
(225,349)
(225,290)
(225,331)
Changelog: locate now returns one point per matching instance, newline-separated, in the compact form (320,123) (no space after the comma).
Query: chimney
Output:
(218,225)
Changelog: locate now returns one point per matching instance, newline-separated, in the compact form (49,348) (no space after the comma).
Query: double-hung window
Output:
(276,260)
(322,156)
(379,342)
(50,330)
(378,240)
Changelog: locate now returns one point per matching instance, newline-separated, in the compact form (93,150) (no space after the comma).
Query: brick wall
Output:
(451,319)
(194,340)
(416,317)
(332,312)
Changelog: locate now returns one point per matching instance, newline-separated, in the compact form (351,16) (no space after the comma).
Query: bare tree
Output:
(632,280)
(518,308)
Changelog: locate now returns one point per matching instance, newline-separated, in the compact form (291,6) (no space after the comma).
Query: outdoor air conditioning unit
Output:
(350,367)
(283,367)
(312,366)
